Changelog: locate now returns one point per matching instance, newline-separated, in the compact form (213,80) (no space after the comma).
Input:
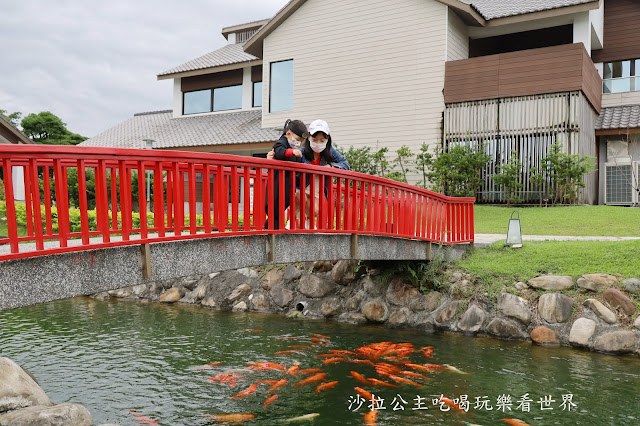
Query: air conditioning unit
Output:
(621,182)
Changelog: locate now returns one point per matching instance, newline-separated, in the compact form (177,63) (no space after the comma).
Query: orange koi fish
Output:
(403,380)
(426,348)
(289,352)
(450,403)
(412,374)
(270,400)
(381,383)
(309,371)
(292,370)
(322,336)
(266,382)
(435,366)
(300,347)
(365,394)
(389,367)
(341,352)
(230,418)
(362,361)
(515,422)
(370,417)
(317,377)
(324,386)
(359,377)
(326,356)
(252,331)
(332,360)
(266,366)
(248,391)
(143,419)
(218,377)
(277,385)
(210,365)
(319,340)
(428,353)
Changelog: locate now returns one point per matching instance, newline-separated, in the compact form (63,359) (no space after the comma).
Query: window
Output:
(281,86)
(257,94)
(226,98)
(621,76)
(196,102)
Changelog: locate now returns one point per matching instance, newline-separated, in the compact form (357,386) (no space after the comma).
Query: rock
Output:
(353,303)
(632,285)
(322,266)
(240,307)
(521,286)
(13,403)
(505,329)
(514,306)
(140,290)
(472,320)
(616,298)
(271,278)
(352,317)
(449,312)
(601,311)
(120,293)
(399,318)
(595,282)
(189,282)
(102,296)
(551,282)
(314,286)
(433,300)
(423,321)
(456,276)
(344,271)
(376,310)
(249,273)
(621,341)
(200,292)
(581,331)
(58,415)
(555,307)
(209,302)
(636,323)
(371,287)
(15,381)
(281,296)
(544,336)
(260,303)
(172,295)
(330,307)
(401,293)
(214,274)
(291,273)
(239,292)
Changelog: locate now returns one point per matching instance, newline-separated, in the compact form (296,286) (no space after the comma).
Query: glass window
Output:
(281,86)
(198,101)
(257,94)
(225,98)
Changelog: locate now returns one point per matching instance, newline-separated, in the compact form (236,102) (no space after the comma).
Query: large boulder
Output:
(632,285)
(344,271)
(322,266)
(399,318)
(423,321)
(505,329)
(551,282)
(121,293)
(555,307)
(433,301)
(271,278)
(376,310)
(57,415)
(352,318)
(618,299)
(291,273)
(281,296)
(371,287)
(401,293)
(621,341)
(314,286)
(595,282)
(449,312)
(240,307)
(260,302)
(636,323)
(172,295)
(16,382)
(601,311)
(353,303)
(581,331)
(330,307)
(514,306)
(472,320)
(544,336)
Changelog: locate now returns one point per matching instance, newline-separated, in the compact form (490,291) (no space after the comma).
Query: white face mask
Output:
(295,143)
(318,147)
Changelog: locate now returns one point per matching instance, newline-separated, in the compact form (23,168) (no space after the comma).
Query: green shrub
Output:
(1,190)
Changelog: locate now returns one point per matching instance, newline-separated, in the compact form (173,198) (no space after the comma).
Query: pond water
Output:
(119,358)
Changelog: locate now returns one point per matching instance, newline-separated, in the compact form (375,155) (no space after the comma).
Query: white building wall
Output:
(597,26)
(457,38)
(373,69)
(582,30)
(177,98)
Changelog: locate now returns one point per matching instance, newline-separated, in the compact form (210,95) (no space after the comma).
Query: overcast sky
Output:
(94,63)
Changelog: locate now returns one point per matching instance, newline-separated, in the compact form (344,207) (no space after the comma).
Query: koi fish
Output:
(317,377)
(266,366)
(292,370)
(403,380)
(428,353)
(289,352)
(381,383)
(388,367)
(365,394)
(435,366)
(341,352)
(412,374)
(248,391)
(362,361)
(455,370)
(210,365)
(309,371)
(359,377)
(143,419)
(286,338)
(266,382)
(252,331)
(277,385)
(325,356)
(270,400)
(322,336)
(300,347)
(324,386)
(426,348)
(319,340)
(332,360)
(301,418)
(230,418)
(218,377)
(450,403)
(515,422)
(370,417)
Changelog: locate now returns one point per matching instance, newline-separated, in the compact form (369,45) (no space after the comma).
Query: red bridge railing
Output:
(197,195)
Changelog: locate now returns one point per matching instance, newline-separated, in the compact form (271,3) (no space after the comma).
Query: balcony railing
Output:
(621,85)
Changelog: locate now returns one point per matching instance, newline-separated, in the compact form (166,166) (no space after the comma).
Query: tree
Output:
(509,177)
(403,159)
(360,159)
(47,128)
(13,118)
(423,161)
(380,162)
(566,172)
(456,172)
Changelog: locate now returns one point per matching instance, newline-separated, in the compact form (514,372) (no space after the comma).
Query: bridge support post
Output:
(145,252)
(354,245)
(271,248)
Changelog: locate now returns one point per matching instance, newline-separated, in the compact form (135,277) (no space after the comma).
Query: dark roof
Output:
(14,131)
(619,117)
(168,132)
(227,55)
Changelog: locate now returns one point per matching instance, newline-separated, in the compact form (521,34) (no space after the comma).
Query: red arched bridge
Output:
(75,217)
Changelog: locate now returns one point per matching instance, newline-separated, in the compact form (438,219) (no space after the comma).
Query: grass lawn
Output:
(610,221)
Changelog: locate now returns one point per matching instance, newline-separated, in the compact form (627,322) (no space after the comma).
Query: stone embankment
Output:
(596,313)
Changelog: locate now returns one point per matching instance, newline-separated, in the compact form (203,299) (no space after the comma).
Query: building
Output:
(509,76)
(10,134)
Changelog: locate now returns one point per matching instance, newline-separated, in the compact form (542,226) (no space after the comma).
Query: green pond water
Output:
(114,357)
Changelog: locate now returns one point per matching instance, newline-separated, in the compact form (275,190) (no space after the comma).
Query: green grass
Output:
(570,220)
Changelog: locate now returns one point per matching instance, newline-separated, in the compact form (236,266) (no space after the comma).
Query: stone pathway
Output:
(485,240)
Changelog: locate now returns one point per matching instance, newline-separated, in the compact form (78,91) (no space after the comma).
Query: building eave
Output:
(466,12)
(8,130)
(210,70)
(246,26)
(543,14)
(254,45)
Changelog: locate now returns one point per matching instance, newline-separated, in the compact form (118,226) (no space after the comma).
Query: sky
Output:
(94,63)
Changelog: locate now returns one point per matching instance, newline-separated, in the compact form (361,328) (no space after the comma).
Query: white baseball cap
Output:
(319,126)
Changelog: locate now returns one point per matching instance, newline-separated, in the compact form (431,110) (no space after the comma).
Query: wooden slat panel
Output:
(620,36)
(256,73)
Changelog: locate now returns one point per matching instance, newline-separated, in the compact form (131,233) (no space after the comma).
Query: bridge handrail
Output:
(355,203)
